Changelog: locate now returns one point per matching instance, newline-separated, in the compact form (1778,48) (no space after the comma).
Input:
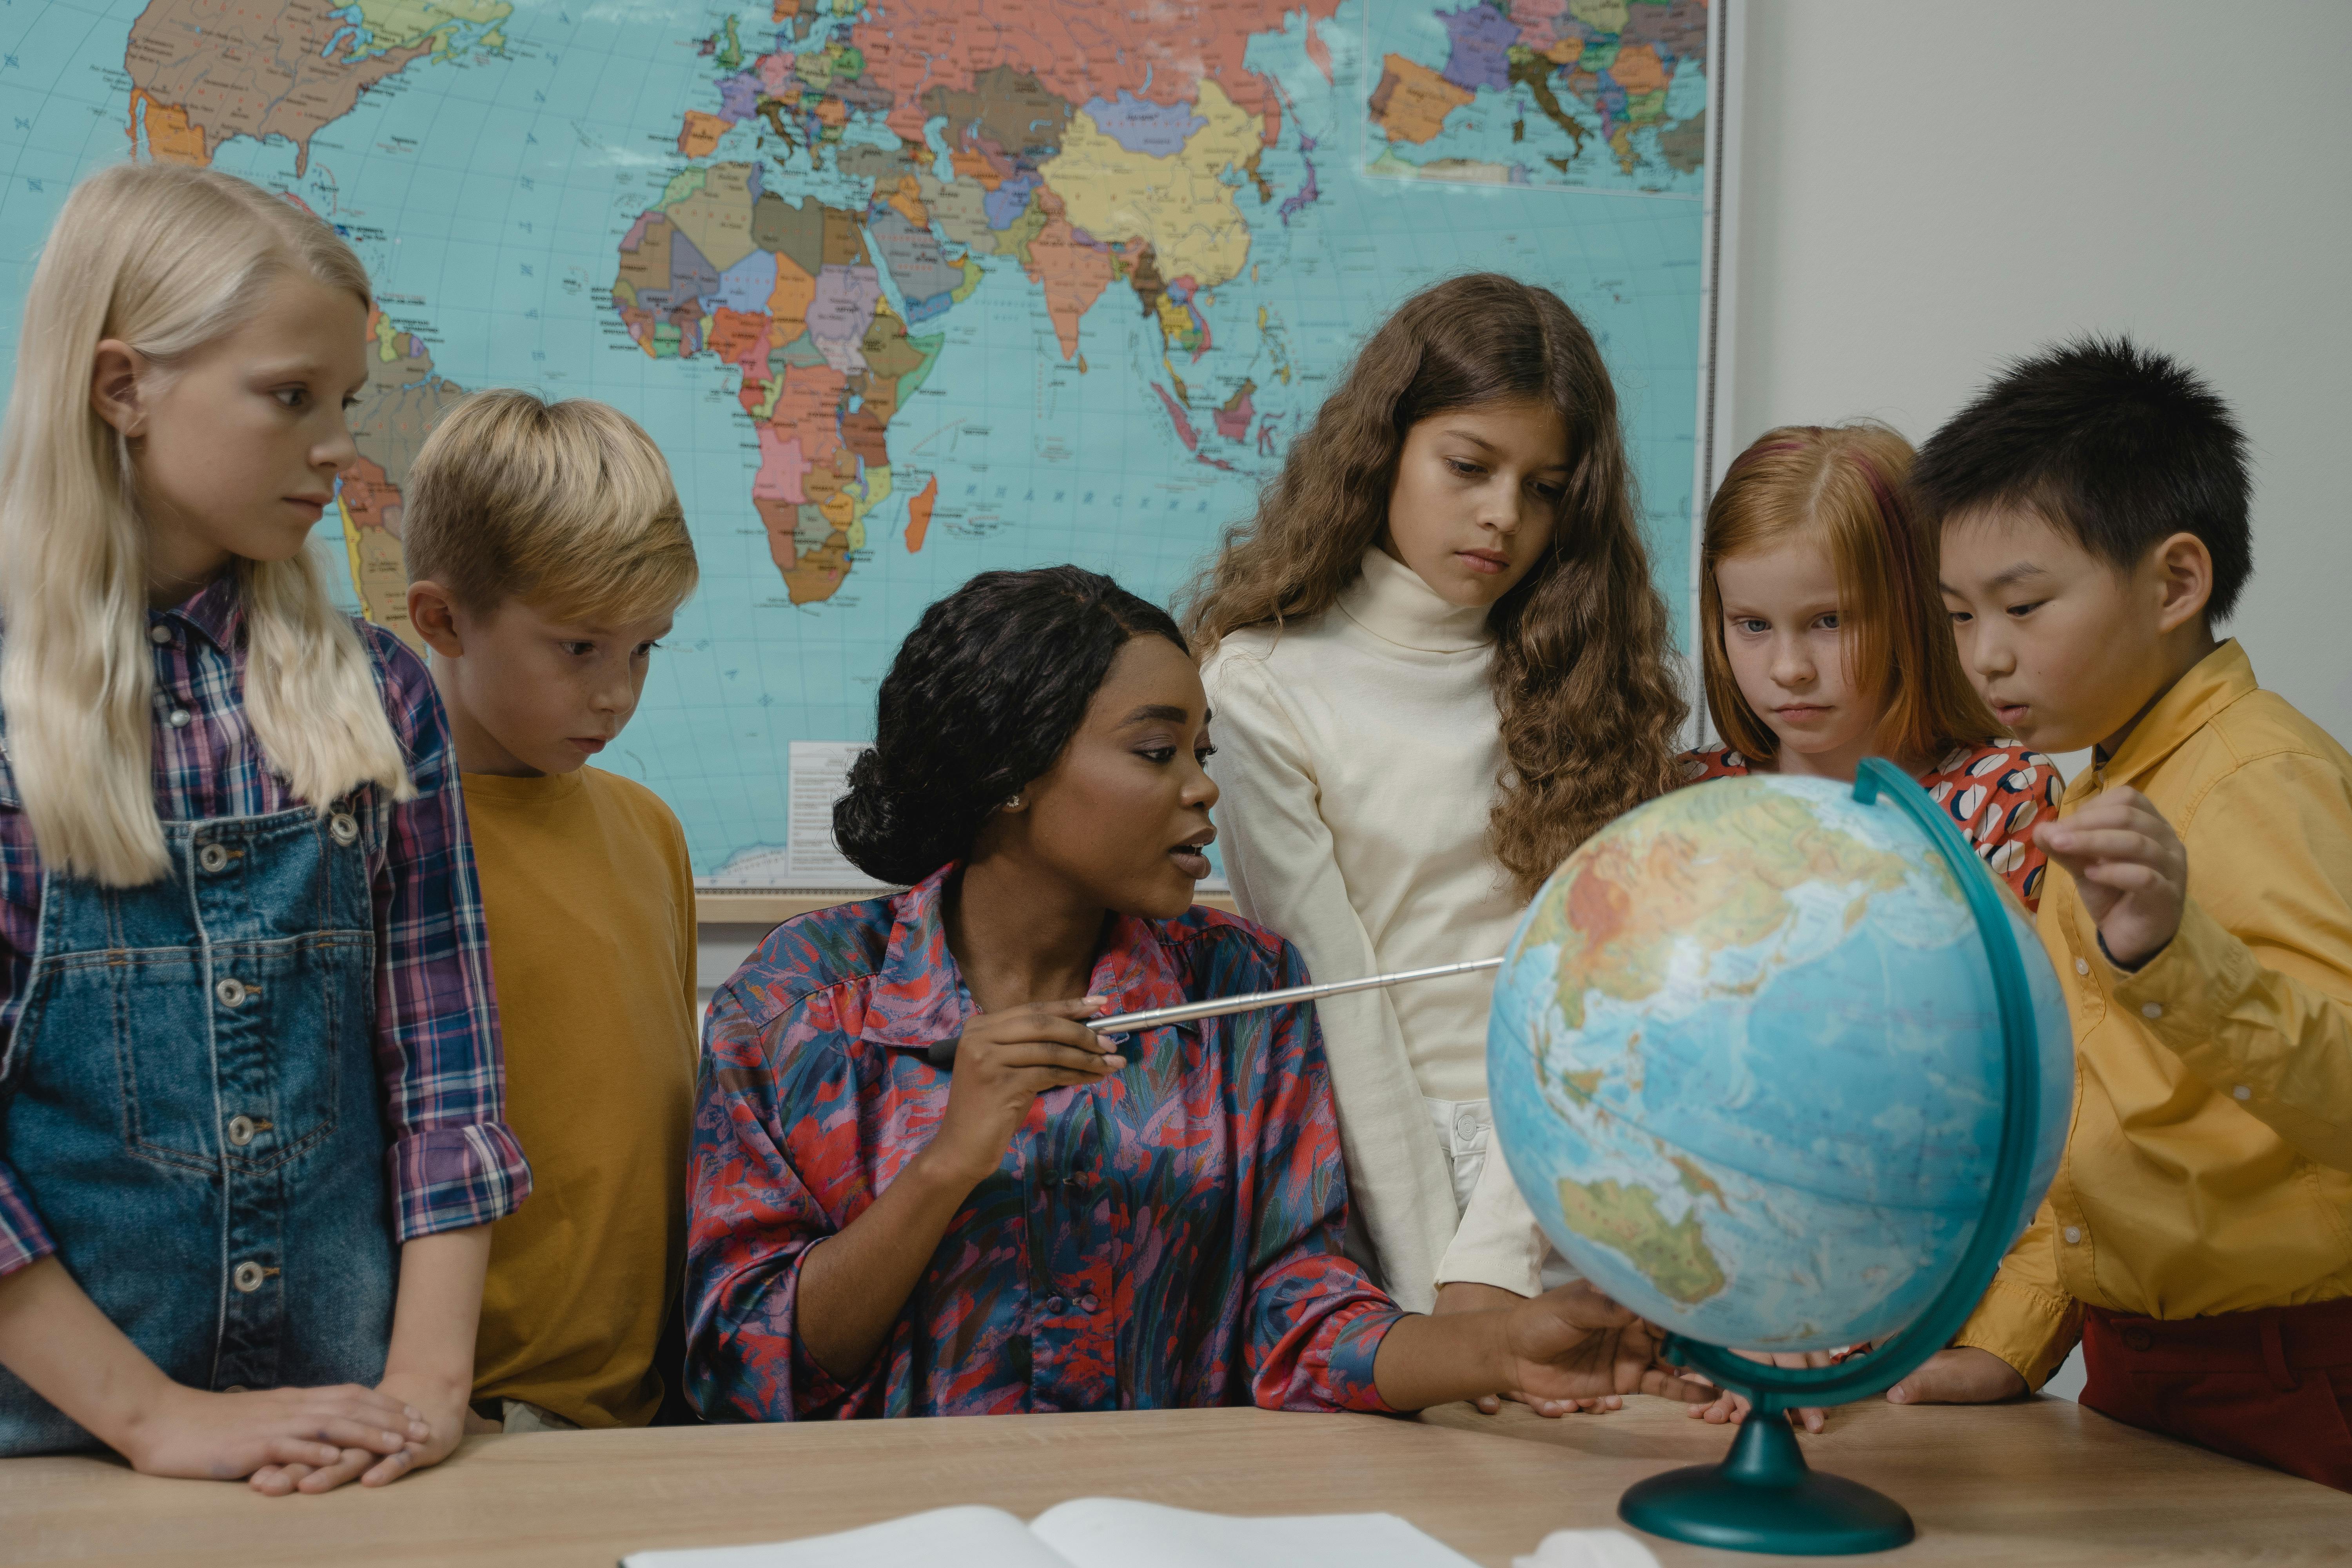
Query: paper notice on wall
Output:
(820,775)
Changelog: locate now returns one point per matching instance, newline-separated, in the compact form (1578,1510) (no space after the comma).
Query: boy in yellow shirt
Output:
(546,554)
(2198,1237)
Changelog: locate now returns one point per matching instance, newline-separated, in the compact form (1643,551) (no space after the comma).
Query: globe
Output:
(1746,1063)
(1780,1065)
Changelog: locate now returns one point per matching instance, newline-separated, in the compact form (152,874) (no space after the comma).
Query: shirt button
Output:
(180,717)
(1055,1303)
(2152,1010)
(241,1129)
(2082,966)
(1089,1302)
(231,992)
(248,1276)
(159,634)
(2074,1234)
(2241,1092)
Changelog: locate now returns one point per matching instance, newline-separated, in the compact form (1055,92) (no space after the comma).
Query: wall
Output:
(1928,188)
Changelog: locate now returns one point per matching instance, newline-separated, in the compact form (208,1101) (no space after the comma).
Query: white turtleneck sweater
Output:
(1358,757)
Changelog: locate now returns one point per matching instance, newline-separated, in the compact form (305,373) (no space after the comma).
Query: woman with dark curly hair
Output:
(1062,1221)
(1441,664)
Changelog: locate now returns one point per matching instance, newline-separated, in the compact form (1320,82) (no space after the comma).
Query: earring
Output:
(1012,802)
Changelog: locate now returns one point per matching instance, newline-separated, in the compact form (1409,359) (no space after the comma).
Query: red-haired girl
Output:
(1826,641)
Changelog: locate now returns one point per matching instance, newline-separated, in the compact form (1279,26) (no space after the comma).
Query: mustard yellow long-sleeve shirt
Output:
(2209,1168)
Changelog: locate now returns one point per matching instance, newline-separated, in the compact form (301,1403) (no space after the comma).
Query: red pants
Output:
(2273,1386)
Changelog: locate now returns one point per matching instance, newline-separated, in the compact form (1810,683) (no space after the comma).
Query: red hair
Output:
(1848,489)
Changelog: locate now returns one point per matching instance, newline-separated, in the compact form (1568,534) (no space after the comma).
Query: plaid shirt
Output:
(453,1162)
(1170,1237)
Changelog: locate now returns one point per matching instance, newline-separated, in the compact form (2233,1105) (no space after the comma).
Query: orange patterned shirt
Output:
(1994,791)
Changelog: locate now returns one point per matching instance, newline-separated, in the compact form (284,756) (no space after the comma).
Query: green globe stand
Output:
(1764,1497)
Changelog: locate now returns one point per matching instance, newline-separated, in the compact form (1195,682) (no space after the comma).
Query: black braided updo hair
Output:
(982,697)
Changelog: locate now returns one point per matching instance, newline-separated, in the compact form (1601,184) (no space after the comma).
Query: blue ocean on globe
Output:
(1746,1063)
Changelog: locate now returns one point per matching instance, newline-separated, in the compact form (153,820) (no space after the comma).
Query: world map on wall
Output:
(904,290)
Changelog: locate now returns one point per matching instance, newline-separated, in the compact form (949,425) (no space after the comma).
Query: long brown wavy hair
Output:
(1583,676)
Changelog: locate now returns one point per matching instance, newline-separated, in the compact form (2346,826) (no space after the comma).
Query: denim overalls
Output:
(190,1101)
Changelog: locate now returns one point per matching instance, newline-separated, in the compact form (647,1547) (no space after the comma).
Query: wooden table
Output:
(2043,1481)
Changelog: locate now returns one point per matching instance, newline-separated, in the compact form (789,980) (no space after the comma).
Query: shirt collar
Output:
(2214,682)
(919,997)
(1391,602)
(215,610)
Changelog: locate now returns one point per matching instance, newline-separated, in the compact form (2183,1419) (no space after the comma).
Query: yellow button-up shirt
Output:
(2209,1168)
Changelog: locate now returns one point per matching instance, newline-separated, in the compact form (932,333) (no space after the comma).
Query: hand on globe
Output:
(1574,1343)
(2131,869)
(1469,1296)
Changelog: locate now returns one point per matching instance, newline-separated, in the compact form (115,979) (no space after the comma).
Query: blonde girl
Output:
(250,1095)
(1826,640)
(1437,664)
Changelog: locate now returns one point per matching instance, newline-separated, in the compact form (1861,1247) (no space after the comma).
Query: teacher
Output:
(1063,1221)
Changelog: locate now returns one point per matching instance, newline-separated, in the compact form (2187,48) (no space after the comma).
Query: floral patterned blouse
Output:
(1995,793)
(1170,1237)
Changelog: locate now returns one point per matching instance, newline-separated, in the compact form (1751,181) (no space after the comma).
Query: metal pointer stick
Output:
(942,1053)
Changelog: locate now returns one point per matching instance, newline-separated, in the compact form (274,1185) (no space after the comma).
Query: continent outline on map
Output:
(1139,182)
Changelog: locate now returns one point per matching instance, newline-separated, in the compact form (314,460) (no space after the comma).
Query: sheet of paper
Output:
(1113,1532)
(963,1537)
(820,775)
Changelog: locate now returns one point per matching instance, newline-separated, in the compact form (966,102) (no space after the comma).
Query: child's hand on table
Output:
(1733,1407)
(1964,1376)
(199,1436)
(1467,1296)
(2130,867)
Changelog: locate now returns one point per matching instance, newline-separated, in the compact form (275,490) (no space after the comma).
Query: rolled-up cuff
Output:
(2031,1329)
(24,1239)
(452,1178)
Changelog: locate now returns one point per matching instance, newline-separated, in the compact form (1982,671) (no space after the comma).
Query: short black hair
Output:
(2120,446)
(982,697)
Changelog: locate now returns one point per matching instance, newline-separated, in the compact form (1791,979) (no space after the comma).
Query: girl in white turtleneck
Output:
(1437,664)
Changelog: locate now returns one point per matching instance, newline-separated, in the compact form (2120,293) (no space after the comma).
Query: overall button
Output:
(231,992)
(345,828)
(160,634)
(241,1129)
(180,718)
(213,857)
(248,1276)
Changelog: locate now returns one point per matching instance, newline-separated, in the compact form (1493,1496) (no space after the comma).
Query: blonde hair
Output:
(567,505)
(168,259)
(1847,488)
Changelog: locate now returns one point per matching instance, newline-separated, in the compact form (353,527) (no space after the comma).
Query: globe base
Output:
(1764,1497)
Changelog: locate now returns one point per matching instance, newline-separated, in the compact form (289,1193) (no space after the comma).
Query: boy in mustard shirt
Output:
(2198,1237)
(546,554)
